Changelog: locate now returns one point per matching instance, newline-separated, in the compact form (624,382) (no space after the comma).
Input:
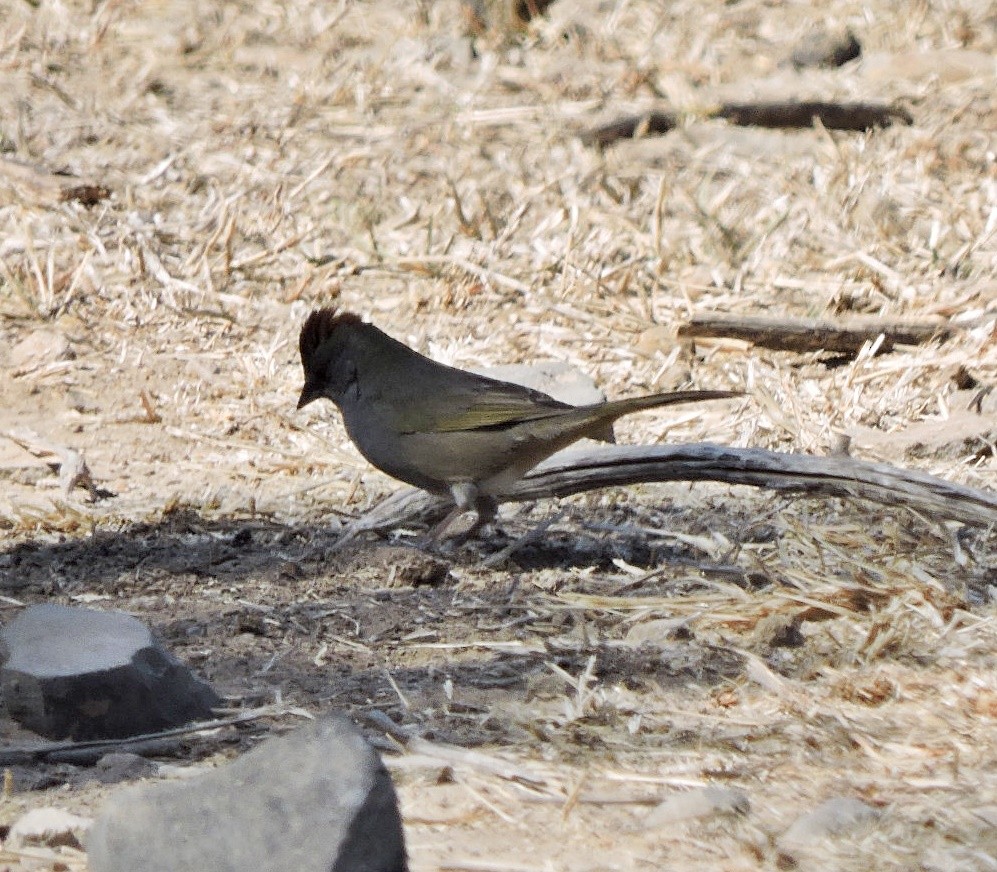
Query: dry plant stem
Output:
(573,472)
(805,334)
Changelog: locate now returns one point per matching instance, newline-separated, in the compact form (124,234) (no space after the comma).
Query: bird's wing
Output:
(492,414)
(484,405)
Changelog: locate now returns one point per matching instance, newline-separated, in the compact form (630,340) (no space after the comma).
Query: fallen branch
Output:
(778,114)
(794,114)
(807,334)
(574,471)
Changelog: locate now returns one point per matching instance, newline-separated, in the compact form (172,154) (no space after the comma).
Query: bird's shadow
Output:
(265,610)
(185,543)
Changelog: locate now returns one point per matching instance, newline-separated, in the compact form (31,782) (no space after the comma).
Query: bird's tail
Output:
(634,404)
(610,411)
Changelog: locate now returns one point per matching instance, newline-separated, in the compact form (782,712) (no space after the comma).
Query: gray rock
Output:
(704,802)
(316,800)
(830,818)
(560,380)
(826,48)
(121,766)
(38,348)
(90,674)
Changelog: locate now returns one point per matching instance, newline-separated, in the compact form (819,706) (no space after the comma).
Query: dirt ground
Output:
(261,159)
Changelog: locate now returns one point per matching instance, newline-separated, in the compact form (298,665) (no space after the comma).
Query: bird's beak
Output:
(308,394)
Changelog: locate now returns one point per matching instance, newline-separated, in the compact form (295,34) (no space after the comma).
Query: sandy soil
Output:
(265,158)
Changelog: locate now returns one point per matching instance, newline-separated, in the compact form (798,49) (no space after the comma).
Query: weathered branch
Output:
(810,334)
(575,471)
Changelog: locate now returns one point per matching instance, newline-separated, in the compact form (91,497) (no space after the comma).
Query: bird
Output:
(448,431)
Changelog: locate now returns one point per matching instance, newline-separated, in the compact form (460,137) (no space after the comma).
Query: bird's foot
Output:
(455,529)
(472,512)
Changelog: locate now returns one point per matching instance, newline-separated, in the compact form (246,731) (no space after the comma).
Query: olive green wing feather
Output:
(477,405)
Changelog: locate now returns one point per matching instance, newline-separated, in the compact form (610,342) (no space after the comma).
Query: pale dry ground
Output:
(265,158)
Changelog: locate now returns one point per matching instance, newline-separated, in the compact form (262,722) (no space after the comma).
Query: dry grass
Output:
(265,158)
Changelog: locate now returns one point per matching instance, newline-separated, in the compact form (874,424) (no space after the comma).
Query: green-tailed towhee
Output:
(448,431)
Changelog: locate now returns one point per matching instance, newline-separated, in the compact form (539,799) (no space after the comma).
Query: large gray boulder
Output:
(316,800)
(94,675)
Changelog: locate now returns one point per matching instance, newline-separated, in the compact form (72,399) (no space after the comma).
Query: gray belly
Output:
(434,461)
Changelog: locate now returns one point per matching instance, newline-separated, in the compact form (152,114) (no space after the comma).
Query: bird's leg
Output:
(467,499)
(486,508)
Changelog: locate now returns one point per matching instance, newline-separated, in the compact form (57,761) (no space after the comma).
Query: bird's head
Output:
(324,344)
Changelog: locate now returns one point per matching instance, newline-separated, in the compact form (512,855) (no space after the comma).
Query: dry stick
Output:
(574,471)
(92,750)
(73,469)
(806,334)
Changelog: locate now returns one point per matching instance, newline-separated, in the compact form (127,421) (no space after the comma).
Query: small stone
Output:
(707,801)
(559,380)
(39,348)
(658,338)
(49,827)
(316,800)
(660,632)
(120,766)
(836,816)
(90,674)
(826,48)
